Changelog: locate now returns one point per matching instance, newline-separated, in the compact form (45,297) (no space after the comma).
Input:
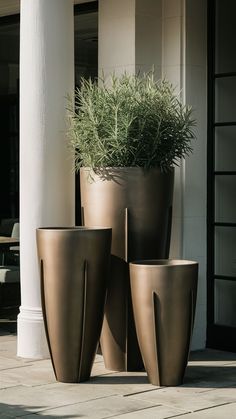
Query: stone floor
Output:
(28,390)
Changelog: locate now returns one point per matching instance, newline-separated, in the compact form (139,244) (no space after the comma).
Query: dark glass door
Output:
(86,61)
(221,332)
(9,116)
(86,65)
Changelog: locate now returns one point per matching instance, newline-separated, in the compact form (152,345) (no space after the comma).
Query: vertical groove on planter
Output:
(45,314)
(85,281)
(155,323)
(191,321)
(126,235)
(168,235)
(126,332)
(126,296)
(82,216)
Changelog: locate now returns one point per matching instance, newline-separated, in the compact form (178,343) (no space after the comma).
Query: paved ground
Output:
(28,390)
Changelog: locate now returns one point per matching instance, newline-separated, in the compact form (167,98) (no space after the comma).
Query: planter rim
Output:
(120,168)
(75,229)
(162,263)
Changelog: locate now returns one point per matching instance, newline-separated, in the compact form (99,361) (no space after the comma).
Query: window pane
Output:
(86,46)
(225,307)
(225,148)
(225,251)
(225,199)
(225,36)
(225,99)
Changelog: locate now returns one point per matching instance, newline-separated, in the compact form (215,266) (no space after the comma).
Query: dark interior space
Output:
(86,65)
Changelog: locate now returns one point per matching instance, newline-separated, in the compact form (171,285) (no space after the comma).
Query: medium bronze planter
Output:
(164,299)
(137,205)
(74,266)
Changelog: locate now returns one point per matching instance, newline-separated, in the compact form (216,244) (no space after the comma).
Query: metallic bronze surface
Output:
(164,299)
(74,266)
(137,205)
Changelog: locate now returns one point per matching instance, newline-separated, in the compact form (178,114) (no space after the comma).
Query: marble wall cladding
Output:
(130,36)
(116,36)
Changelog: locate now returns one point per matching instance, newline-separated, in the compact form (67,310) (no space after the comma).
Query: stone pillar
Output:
(46,178)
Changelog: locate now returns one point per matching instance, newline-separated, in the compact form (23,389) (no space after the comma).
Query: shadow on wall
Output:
(20,410)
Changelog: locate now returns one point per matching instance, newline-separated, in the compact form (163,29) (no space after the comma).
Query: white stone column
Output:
(46,179)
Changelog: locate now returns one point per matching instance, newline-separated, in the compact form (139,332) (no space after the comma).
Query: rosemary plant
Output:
(133,121)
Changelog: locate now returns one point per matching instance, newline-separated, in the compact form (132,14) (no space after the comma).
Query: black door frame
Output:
(218,336)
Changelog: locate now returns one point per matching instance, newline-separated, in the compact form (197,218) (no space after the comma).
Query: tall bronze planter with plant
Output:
(127,137)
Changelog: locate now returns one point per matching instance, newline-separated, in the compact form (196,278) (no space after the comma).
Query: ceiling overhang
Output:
(12,7)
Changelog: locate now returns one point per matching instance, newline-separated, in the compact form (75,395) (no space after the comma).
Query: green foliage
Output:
(133,121)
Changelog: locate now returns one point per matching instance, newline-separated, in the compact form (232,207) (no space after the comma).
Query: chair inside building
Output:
(9,268)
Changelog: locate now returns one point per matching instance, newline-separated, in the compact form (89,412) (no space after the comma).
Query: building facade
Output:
(185,41)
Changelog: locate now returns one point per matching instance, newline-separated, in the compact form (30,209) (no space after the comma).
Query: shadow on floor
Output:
(222,376)
(212,355)
(119,379)
(20,410)
(201,376)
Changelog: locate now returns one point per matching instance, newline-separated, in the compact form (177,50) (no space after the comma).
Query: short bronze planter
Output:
(74,265)
(164,299)
(137,205)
